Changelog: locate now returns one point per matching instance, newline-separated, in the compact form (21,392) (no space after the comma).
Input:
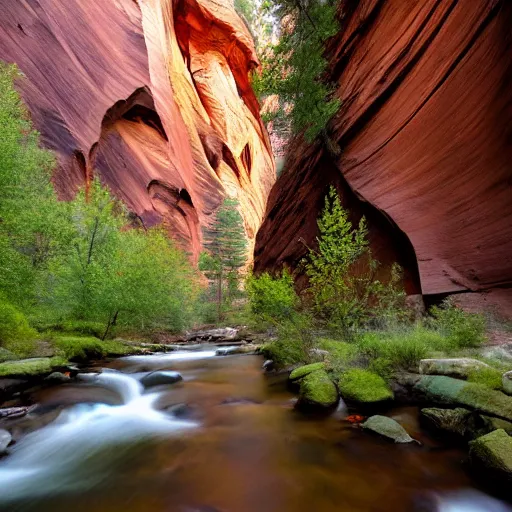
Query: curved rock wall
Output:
(426,143)
(153,97)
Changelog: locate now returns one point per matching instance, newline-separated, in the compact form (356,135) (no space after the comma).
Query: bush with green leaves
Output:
(295,342)
(77,262)
(15,333)
(463,329)
(343,287)
(271,297)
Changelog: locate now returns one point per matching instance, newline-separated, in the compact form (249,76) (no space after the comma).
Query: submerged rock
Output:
(5,441)
(302,371)
(492,456)
(449,391)
(160,378)
(317,391)
(387,427)
(455,367)
(241,349)
(57,378)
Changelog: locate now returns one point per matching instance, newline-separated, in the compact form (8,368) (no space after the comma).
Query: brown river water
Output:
(238,445)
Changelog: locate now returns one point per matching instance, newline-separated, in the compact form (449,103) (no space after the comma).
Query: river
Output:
(236,445)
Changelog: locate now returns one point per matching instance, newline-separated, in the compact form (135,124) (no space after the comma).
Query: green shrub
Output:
(489,377)
(341,271)
(400,349)
(272,297)
(15,333)
(463,329)
(363,386)
(294,344)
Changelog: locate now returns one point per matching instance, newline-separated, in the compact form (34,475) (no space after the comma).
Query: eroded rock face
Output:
(152,96)
(424,133)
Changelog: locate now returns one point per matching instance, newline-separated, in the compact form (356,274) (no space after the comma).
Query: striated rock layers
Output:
(152,96)
(425,132)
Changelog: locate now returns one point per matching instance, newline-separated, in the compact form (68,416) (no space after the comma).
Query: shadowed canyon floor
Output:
(236,446)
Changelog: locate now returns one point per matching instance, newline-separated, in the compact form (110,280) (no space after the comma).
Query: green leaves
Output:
(78,260)
(343,287)
(295,68)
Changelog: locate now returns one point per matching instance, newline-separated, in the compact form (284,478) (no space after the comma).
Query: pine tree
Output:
(226,251)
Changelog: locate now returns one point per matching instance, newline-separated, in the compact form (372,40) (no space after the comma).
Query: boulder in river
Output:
(302,371)
(363,386)
(317,391)
(160,378)
(451,421)
(448,391)
(5,441)
(454,367)
(387,427)
(491,456)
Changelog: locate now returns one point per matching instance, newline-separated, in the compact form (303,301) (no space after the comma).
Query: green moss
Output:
(489,377)
(15,333)
(302,371)
(364,386)
(77,348)
(494,452)
(317,389)
(31,367)
(446,390)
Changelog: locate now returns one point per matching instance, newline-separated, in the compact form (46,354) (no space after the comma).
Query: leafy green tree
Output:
(226,252)
(295,68)
(32,229)
(343,287)
(118,275)
(272,297)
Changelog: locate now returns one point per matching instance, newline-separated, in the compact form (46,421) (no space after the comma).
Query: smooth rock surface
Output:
(453,367)
(153,97)
(423,136)
(387,427)
(160,378)
(454,392)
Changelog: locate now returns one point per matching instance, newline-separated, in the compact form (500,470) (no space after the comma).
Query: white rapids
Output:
(81,447)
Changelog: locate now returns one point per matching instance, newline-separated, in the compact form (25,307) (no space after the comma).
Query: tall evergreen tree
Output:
(226,251)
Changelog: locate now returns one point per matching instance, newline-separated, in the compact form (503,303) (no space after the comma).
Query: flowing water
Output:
(237,445)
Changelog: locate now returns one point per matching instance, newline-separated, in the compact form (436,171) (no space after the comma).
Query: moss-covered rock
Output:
(451,421)
(453,392)
(388,428)
(454,367)
(84,348)
(32,367)
(317,391)
(506,382)
(363,386)
(491,456)
(302,371)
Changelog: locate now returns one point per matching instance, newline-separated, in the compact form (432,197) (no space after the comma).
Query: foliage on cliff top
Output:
(294,69)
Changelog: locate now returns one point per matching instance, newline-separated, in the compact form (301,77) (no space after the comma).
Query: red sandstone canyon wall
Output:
(152,96)
(425,132)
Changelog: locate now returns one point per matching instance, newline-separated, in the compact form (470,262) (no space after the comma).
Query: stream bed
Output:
(225,439)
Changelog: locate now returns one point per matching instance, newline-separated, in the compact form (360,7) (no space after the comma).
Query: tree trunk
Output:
(219,297)
(111,321)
